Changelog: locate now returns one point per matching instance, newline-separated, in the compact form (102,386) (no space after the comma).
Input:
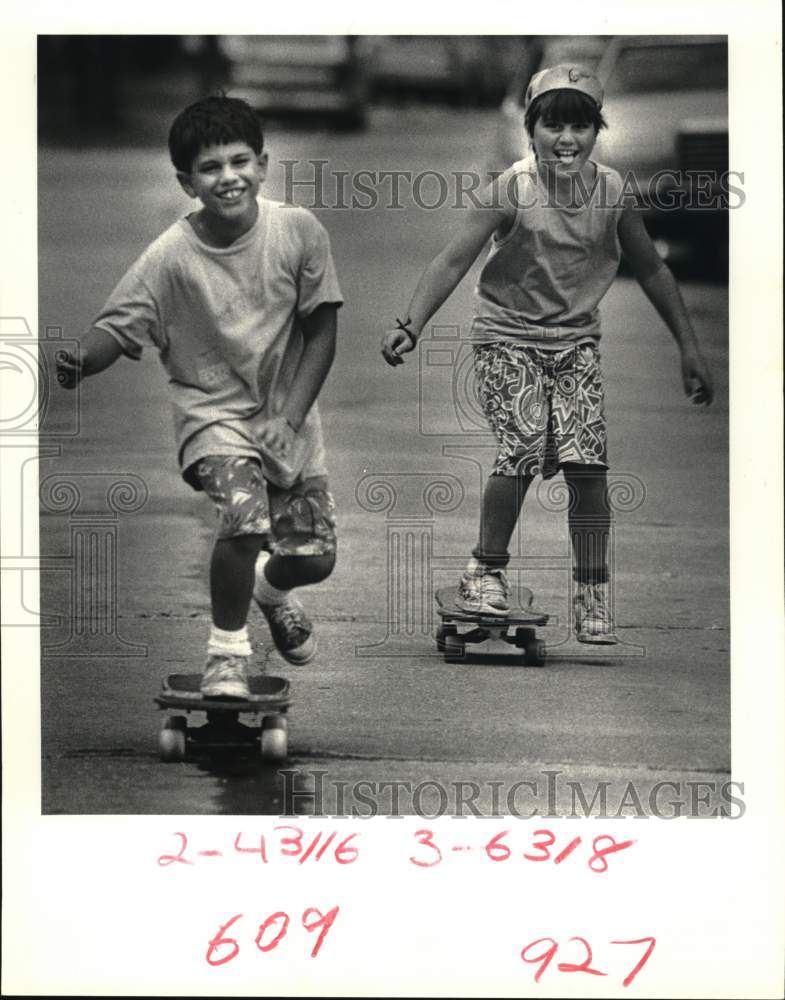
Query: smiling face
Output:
(226,179)
(563,146)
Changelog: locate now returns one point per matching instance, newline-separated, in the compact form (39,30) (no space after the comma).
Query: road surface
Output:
(407,455)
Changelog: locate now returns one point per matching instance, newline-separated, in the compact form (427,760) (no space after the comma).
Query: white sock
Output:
(266,593)
(225,641)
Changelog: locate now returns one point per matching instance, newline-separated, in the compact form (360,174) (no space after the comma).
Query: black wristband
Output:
(404,325)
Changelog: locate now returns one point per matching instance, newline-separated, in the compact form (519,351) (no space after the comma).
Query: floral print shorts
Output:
(296,521)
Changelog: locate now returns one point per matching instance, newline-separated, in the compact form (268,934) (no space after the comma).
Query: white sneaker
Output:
(226,676)
(483,590)
(593,621)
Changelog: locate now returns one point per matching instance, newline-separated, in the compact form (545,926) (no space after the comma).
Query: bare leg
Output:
(232,579)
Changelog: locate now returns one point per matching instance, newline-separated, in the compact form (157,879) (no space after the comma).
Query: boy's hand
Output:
(394,344)
(696,378)
(278,436)
(69,368)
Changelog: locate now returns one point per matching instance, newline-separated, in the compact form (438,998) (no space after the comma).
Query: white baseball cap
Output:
(565,76)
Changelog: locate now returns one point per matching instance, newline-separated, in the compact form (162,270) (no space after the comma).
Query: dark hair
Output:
(564,105)
(212,121)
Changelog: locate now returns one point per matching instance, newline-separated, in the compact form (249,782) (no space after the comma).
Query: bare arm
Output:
(662,291)
(445,271)
(97,351)
(319,333)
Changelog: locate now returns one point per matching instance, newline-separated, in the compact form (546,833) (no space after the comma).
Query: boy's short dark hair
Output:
(564,105)
(213,121)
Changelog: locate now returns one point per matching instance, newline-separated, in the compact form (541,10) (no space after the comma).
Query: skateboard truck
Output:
(223,730)
(515,628)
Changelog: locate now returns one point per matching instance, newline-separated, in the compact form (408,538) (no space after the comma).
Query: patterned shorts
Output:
(544,407)
(296,521)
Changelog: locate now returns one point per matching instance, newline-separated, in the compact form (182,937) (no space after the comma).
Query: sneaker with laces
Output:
(593,622)
(483,590)
(226,676)
(291,629)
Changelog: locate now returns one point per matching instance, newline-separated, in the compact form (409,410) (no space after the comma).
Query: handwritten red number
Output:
(425,837)
(325,921)
(219,941)
(291,846)
(544,958)
(312,847)
(567,851)
(344,854)
(168,859)
(261,850)
(497,851)
(644,959)
(279,916)
(323,849)
(585,965)
(598,862)
(542,846)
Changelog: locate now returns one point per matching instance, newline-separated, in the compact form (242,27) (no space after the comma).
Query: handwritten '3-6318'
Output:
(542,847)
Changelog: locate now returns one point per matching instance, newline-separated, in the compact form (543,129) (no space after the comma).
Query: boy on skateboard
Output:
(240,299)
(558,222)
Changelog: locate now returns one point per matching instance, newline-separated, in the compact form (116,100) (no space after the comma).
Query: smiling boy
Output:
(240,299)
(558,222)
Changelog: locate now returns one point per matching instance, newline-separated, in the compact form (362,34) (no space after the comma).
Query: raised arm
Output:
(97,351)
(661,289)
(445,271)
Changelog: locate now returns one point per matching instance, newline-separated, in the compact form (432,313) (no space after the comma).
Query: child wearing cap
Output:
(558,222)
(240,300)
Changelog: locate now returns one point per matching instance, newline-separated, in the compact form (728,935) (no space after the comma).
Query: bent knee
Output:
(311,569)
(320,567)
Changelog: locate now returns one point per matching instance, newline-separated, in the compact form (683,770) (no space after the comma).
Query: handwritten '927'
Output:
(543,951)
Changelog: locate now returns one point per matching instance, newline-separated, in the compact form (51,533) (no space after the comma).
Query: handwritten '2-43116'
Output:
(285,842)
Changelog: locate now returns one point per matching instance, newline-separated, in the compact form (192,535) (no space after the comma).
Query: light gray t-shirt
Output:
(543,282)
(224,321)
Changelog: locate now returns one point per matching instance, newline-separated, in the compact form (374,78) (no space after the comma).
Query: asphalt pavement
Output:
(407,456)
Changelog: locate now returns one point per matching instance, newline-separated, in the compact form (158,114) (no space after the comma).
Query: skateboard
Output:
(516,628)
(223,729)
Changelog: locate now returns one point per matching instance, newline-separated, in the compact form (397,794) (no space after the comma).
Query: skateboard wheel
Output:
(524,637)
(171,744)
(535,654)
(454,649)
(441,634)
(274,738)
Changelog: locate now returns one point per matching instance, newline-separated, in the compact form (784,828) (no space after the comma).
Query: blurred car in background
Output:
(321,77)
(466,70)
(667,111)
(416,66)
(666,104)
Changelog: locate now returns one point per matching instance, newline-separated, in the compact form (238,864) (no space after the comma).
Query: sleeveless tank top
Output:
(542,283)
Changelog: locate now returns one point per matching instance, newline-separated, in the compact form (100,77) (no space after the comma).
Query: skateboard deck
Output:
(223,730)
(516,628)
